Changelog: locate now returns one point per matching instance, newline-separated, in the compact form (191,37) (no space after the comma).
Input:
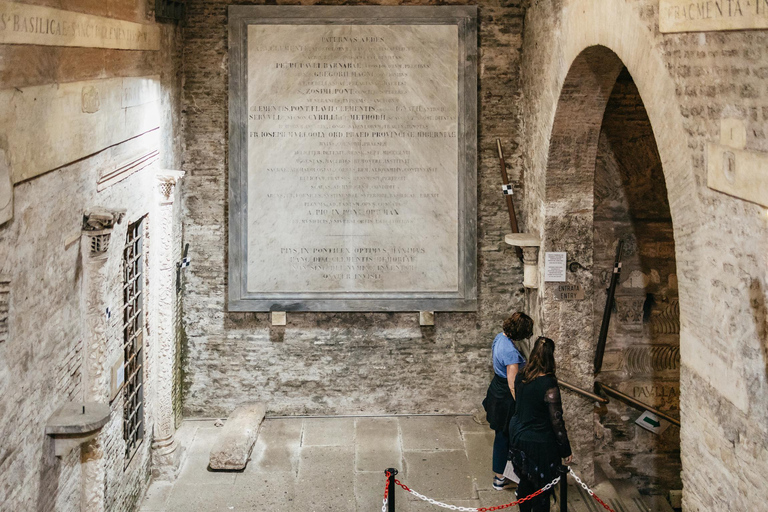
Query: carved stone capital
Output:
(166,184)
(98,224)
(530,245)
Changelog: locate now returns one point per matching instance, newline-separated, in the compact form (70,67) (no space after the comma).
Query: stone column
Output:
(165,456)
(97,237)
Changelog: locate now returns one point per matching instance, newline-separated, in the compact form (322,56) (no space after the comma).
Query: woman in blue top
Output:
(499,401)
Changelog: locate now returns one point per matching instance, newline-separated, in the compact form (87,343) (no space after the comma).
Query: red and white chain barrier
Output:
(544,489)
(590,491)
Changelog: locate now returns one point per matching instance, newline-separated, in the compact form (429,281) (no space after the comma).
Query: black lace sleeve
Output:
(552,398)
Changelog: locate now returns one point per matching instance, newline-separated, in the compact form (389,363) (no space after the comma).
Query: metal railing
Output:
(582,392)
(635,403)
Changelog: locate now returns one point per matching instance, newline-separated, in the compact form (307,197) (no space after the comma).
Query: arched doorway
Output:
(605,181)
(719,240)
(642,355)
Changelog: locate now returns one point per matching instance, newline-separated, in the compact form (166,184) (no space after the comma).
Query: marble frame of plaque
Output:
(446,280)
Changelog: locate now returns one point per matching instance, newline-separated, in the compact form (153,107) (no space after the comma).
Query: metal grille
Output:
(133,349)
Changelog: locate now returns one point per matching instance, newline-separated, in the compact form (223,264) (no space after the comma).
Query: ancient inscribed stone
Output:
(740,173)
(712,15)
(354,163)
(33,24)
(49,126)
(6,189)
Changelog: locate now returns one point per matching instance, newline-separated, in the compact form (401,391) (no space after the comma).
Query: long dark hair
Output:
(541,360)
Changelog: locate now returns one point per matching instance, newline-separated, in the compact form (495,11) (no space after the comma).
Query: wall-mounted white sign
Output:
(554,267)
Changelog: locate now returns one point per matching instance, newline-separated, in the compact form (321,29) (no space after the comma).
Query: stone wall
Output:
(340,363)
(59,343)
(688,83)
(643,349)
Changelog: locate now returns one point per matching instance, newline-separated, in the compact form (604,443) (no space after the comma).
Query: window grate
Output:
(170,9)
(133,390)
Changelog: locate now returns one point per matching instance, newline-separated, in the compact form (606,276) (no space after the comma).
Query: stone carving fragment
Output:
(235,441)
(629,310)
(644,360)
(668,321)
(98,224)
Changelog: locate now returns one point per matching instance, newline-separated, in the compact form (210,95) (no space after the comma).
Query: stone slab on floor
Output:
(441,475)
(479,448)
(328,432)
(277,447)
(377,444)
(430,433)
(290,470)
(266,491)
(235,442)
(326,478)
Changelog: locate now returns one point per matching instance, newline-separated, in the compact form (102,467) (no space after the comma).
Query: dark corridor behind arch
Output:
(642,357)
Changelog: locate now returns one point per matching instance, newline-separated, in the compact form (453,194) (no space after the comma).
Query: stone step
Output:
(658,504)
(624,499)
(234,443)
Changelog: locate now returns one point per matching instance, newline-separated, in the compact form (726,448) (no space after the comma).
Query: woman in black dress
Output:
(537,436)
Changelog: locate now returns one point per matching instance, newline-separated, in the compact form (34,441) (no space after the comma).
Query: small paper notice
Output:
(554,267)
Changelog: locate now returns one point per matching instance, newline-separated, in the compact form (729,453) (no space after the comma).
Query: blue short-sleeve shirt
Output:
(504,354)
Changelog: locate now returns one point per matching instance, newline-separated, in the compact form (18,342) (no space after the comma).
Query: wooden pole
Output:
(508,197)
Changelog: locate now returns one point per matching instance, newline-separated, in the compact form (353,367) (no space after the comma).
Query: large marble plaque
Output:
(353,159)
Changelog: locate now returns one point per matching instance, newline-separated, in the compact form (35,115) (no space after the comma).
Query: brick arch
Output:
(596,39)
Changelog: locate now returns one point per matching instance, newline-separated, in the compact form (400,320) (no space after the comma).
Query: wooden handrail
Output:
(635,403)
(582,392)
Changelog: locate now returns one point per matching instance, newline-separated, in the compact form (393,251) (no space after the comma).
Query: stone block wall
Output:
(59,343)
(341,363)
(688,83)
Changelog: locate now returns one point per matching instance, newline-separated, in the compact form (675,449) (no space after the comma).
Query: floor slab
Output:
(329,432)
(277,447)
(377,444)
(430,433)
(440,474)
(326,466)
(479,448)
(326,478)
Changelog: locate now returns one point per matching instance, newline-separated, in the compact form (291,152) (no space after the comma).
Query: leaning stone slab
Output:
(233,446)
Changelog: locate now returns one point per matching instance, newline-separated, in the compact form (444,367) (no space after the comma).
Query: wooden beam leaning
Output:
(507,190)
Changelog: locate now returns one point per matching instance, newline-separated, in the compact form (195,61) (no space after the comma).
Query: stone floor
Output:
(337,465)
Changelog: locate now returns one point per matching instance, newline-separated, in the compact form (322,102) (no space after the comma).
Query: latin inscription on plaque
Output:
(352,158)
(353,167)
(34,24)
(712,15)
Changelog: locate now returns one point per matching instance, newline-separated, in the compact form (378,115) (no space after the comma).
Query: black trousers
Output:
(538,504)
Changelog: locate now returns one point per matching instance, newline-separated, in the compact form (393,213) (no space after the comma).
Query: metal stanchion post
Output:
(563,488)
(391,497)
